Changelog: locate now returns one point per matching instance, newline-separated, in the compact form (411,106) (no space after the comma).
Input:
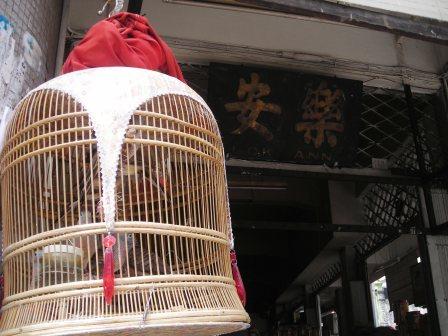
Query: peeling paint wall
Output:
(29,31)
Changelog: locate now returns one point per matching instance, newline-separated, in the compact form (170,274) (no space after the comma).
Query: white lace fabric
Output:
(110,95)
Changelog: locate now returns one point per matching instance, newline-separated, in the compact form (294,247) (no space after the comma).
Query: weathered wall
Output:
(433,9)
(200,34)
(29,31)
(438,256)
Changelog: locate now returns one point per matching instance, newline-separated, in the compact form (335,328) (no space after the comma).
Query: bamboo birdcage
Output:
(170,209)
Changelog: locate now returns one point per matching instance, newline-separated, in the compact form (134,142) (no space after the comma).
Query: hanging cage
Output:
(127,151)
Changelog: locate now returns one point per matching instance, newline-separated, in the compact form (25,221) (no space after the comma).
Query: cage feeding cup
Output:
(120,153)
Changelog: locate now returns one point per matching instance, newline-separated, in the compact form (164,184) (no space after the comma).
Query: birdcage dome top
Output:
(112,91)
(115,88)
(110,95)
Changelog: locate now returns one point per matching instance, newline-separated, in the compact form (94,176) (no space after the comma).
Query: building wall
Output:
(434,9)
(201,34)
(438,255)
(29,33)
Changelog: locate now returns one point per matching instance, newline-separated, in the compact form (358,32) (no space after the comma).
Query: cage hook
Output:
(101,11)
(117,8)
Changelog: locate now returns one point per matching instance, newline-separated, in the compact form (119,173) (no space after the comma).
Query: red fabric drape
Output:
(124,39)
(237,278)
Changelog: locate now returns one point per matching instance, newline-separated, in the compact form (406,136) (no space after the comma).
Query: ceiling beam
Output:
(370,175)
(319,227)
(402,24)
(375,75)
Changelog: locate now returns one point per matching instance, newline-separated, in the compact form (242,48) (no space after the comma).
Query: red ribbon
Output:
(237,278)
(108,268)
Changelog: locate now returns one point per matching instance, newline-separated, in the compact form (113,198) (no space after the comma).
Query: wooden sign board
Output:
(283,116)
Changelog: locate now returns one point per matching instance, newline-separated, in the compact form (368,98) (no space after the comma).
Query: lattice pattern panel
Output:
(385,131)
(371,242)
(332,273)
(395,205)
(390,206)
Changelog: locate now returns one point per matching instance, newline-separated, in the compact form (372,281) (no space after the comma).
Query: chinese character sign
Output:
(321,114)
(250,105)
(326,122)
(283,116)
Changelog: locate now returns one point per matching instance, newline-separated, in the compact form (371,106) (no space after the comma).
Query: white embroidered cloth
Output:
(110,95)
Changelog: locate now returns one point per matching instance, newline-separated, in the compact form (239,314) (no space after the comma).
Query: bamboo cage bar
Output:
(172,223)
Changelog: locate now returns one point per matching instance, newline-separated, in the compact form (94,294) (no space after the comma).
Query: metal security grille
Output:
(332,273)
(385,131)
(388,205)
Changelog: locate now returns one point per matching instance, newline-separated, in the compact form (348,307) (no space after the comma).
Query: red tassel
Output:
(237,278)
(108,268)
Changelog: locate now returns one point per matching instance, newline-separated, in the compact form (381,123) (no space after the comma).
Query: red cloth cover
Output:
(124,39)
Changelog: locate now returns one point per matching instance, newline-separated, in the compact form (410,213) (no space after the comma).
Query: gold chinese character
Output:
(322,112)
(251,107)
